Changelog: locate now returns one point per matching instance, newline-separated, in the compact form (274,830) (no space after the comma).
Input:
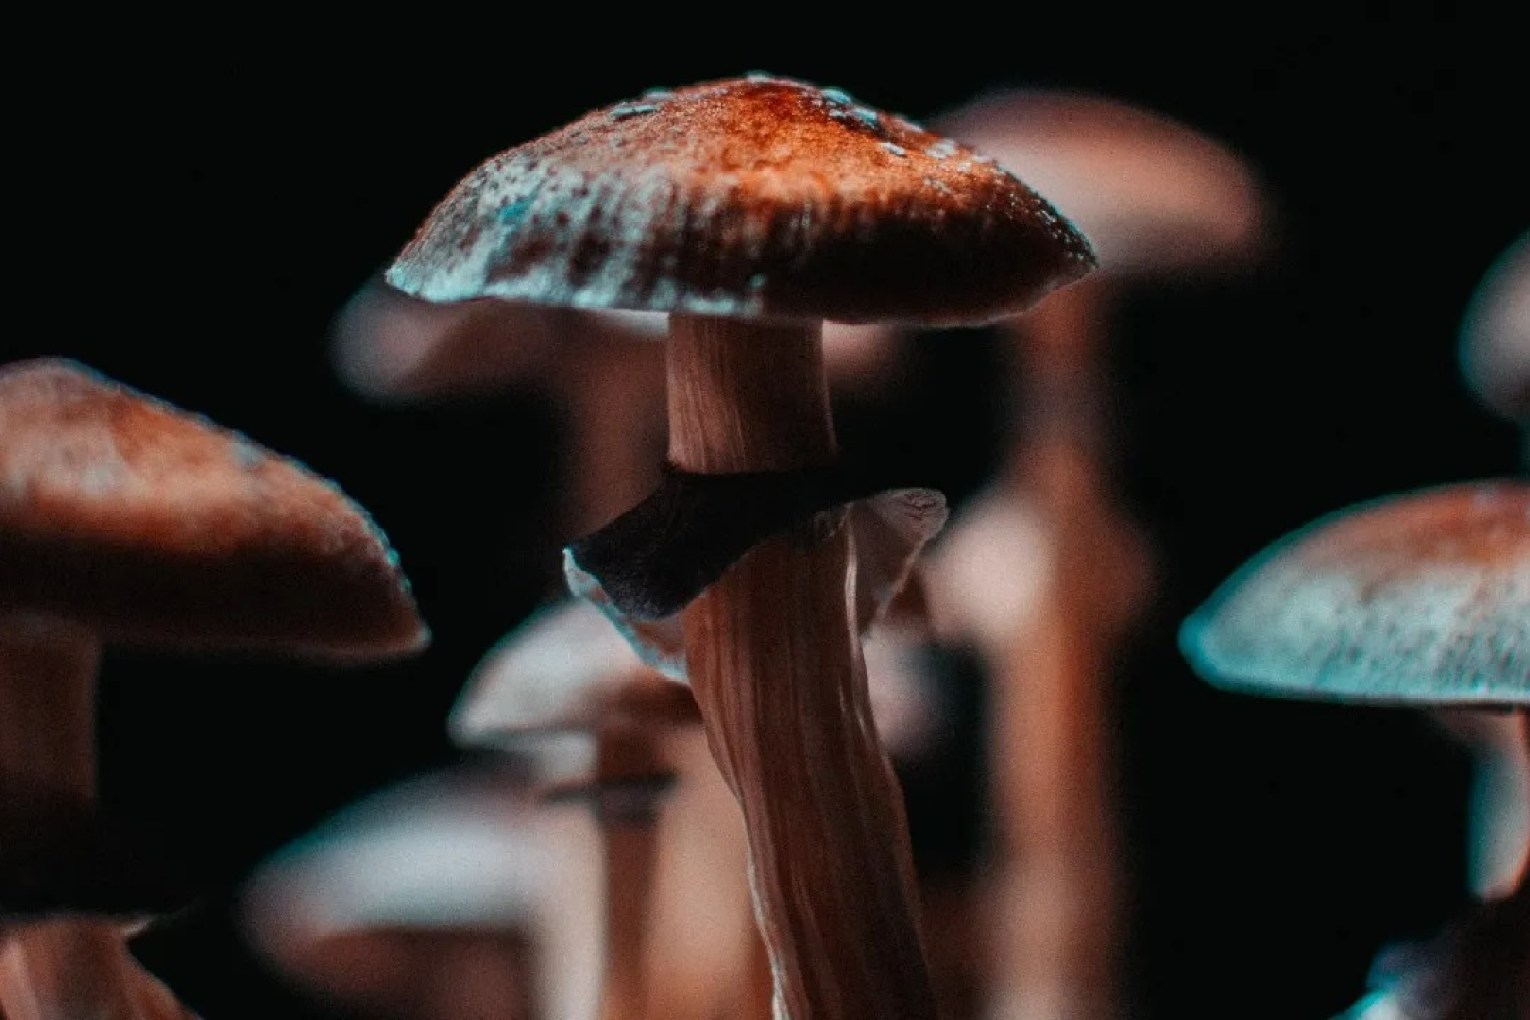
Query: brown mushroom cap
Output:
(1152,194)
(1420,598)
(757,196)
(1495,334)
(153,526)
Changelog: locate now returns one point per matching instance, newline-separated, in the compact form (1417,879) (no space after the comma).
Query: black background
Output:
(190,207)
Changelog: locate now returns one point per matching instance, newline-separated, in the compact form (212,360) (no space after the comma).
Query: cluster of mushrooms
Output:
(684,798)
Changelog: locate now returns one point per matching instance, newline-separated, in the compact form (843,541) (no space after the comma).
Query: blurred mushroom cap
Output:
(564,669)
(758,196)
(453,871)
(151,525)
(1419,598)
(1153,195)
(1495,334)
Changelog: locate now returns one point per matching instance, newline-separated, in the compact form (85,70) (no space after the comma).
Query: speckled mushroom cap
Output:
(1420,598)
(756,196)
(153,526)
(1495,334)
(564,670)
(1152,194)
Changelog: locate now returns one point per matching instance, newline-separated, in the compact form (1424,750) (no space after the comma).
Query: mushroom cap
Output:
(1495,334)
(759,196)
(408,880)
(1152,194)
(565,669)
(1419,598)
(153,526)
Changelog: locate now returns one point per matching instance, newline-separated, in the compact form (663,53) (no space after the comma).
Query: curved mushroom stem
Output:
(1058,932)
(775,662)
(68,968)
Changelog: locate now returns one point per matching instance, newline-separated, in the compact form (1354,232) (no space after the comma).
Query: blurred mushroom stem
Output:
(775,662)
(626,763)
(1058,932)
(60,969)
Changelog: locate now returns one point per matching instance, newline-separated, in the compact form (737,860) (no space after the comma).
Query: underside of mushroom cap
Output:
(759,197)
(154,526)
(1420,598)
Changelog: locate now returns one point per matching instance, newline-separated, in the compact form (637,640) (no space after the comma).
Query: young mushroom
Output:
(1420,600)
(1044,572)
(450,896)
(751,210)
(126,520)
(566,672)
(1495,336)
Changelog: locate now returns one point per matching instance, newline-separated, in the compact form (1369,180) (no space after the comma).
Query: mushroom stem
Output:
(55,969)
(627,830)
(775,663)
(1058,929)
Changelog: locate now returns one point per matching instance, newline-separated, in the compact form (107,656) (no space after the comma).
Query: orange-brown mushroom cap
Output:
(153,526)
(760,197)
(1420,598)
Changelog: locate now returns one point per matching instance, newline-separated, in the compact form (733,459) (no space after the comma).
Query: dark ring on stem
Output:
(658,556)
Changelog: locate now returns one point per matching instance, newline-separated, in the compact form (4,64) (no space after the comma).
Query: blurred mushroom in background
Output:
(566,673)
(454,895)
(1420,599)
(124,520)
(602,368)
(1494,347)
(1495,337)
(1045,572)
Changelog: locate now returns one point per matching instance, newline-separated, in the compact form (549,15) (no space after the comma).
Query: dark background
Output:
(190,208)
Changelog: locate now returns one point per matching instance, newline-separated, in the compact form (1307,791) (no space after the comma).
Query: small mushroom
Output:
(1495,336)
(126,520)
(1044,571)
(567,672)
(1422,600)
(751,210)
(453,895)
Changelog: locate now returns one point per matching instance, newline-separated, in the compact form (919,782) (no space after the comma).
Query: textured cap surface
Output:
(1419,598)
(154,526)
(1152,194)
(756,196)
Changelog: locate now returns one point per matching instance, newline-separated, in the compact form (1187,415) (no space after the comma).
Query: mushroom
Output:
(566,672)
(751,210)
(1044,572)
(1495,336)
(126,520)
(449,896)
(1495,358)
(1420,599)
